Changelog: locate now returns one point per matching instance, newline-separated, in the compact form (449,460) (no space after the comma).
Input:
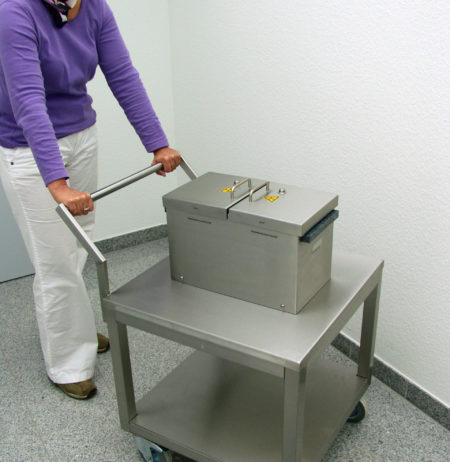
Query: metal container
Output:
(264,242)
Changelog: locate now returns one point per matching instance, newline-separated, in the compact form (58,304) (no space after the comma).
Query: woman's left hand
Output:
(169,158)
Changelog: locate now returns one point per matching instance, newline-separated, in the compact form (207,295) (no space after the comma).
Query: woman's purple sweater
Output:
(43,75)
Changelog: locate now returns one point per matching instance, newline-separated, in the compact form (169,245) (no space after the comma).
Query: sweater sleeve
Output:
(19,61)
(126,85)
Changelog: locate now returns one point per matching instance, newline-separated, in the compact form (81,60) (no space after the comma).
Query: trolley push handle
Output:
(138,176)
(105,191)
(85,240)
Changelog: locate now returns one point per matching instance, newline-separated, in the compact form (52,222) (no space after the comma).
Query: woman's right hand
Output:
(78,202)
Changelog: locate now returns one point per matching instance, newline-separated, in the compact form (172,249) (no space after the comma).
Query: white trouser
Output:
(63,311)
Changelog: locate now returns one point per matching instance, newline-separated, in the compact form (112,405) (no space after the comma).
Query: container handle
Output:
(319,227)
(240,183)
(266,184)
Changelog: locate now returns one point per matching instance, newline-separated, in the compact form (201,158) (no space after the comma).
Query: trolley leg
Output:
(368,331)
(120,355)
(294,413)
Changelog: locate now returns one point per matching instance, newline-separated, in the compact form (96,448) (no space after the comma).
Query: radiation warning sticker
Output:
(271,198)
(226,189)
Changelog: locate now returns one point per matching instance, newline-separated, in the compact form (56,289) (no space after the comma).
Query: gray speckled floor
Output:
(39,423)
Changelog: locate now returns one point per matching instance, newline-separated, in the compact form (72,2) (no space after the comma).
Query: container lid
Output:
(209,194)
(284,208)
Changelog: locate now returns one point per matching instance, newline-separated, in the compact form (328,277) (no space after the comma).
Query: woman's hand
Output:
(169,158)
(78,202)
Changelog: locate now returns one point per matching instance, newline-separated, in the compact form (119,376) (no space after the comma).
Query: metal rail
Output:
(84,239)
(138,176)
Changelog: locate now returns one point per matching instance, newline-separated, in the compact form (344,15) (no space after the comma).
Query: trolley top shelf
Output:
(261,337)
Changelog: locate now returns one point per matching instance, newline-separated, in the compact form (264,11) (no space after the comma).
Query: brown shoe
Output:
(103,343)
(78,390)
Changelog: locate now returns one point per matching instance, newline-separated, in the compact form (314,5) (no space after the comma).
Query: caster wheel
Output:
(151,452)
(358,413)
(165,456)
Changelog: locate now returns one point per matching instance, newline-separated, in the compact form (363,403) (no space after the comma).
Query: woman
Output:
(49,50)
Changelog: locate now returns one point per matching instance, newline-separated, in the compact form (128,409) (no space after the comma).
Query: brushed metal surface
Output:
(249,249)
(313,265)
(230,413)
(275,337)
(268,268)
(208,195)
(234,259)
(294,212)
(214,410)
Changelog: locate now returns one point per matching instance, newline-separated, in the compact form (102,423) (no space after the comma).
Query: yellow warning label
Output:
(271,198)
(226,189)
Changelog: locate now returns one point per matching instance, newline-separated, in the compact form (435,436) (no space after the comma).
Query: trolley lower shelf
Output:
(232,413)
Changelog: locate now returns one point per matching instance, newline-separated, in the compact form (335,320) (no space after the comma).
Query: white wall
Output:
(351,97)
(144,25)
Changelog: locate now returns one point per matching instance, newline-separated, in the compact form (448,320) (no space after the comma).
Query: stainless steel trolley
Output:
(257,389)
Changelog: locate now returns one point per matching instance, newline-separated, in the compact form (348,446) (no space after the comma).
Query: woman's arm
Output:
(126,85)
